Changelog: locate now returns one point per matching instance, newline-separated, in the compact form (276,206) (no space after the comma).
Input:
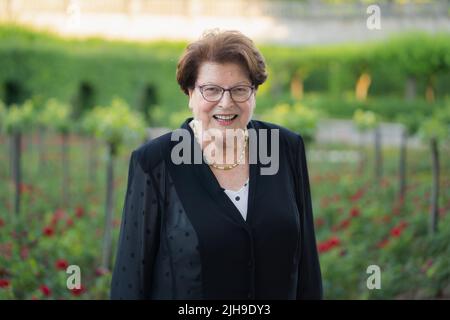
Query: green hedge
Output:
(42,66)
(388,107)
(94,71)
(336,68)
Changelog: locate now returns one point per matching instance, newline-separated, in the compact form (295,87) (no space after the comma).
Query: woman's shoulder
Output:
(151,153)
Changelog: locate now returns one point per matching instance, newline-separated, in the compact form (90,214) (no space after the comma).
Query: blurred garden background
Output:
(83,83)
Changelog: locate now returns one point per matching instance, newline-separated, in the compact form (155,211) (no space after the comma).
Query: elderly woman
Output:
(219,226)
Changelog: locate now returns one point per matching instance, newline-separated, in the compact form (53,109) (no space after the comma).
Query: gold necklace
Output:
(222,167)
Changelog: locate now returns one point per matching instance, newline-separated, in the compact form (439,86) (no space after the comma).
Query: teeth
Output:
(223,117)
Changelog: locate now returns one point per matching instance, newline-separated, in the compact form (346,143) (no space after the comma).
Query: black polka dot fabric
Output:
(161,232)
(178,258)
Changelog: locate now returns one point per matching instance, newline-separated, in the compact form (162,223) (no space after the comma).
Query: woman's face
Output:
(225,75)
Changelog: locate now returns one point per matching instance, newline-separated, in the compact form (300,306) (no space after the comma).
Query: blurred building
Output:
(284,22)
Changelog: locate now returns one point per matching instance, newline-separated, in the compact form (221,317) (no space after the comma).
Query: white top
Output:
(239,198)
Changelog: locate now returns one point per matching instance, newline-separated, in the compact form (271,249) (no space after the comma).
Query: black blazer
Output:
(182,238)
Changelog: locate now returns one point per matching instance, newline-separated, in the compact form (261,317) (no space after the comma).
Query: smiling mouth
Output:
(222,117)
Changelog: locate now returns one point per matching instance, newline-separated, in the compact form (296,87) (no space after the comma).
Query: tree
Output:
(2,115)
(41,126)
(435,129)
(87,129)
(413,55)
(116,125)
(364,121)
(411,122)
(56,115)
(297,118)
(17,121)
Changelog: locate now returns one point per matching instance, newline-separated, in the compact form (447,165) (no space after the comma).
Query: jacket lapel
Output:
(205,182)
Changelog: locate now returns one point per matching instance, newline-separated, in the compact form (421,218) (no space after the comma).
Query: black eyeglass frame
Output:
(224,90)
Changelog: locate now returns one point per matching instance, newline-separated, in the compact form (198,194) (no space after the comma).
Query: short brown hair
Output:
(220,47)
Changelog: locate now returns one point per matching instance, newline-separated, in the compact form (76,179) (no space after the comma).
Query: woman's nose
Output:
(226,100)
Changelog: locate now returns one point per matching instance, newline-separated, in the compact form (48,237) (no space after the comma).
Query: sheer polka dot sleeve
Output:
(139,236)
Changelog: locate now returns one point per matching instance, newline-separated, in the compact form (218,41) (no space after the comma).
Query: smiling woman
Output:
(219,228)
(212,101)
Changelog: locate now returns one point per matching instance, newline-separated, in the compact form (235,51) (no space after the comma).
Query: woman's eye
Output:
(240,90)
(212,90)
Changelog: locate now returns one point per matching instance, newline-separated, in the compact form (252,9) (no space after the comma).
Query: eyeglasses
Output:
(213,93)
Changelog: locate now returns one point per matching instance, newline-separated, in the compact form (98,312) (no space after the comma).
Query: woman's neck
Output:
(227,146)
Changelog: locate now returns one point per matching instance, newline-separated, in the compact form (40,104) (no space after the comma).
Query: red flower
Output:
(79,212)
(320,222)
(61,264)
(45,290)
(4,283)
(334,241)
(101,271)
(69,222)
(398,229)
(354,212)
(2,222)
(24,188)
(323,247)
(357,195)
(24,252)
(48,231)
(77,292)
(396,232)
(383,243)
(344,224)
(328,244)
(58,215)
